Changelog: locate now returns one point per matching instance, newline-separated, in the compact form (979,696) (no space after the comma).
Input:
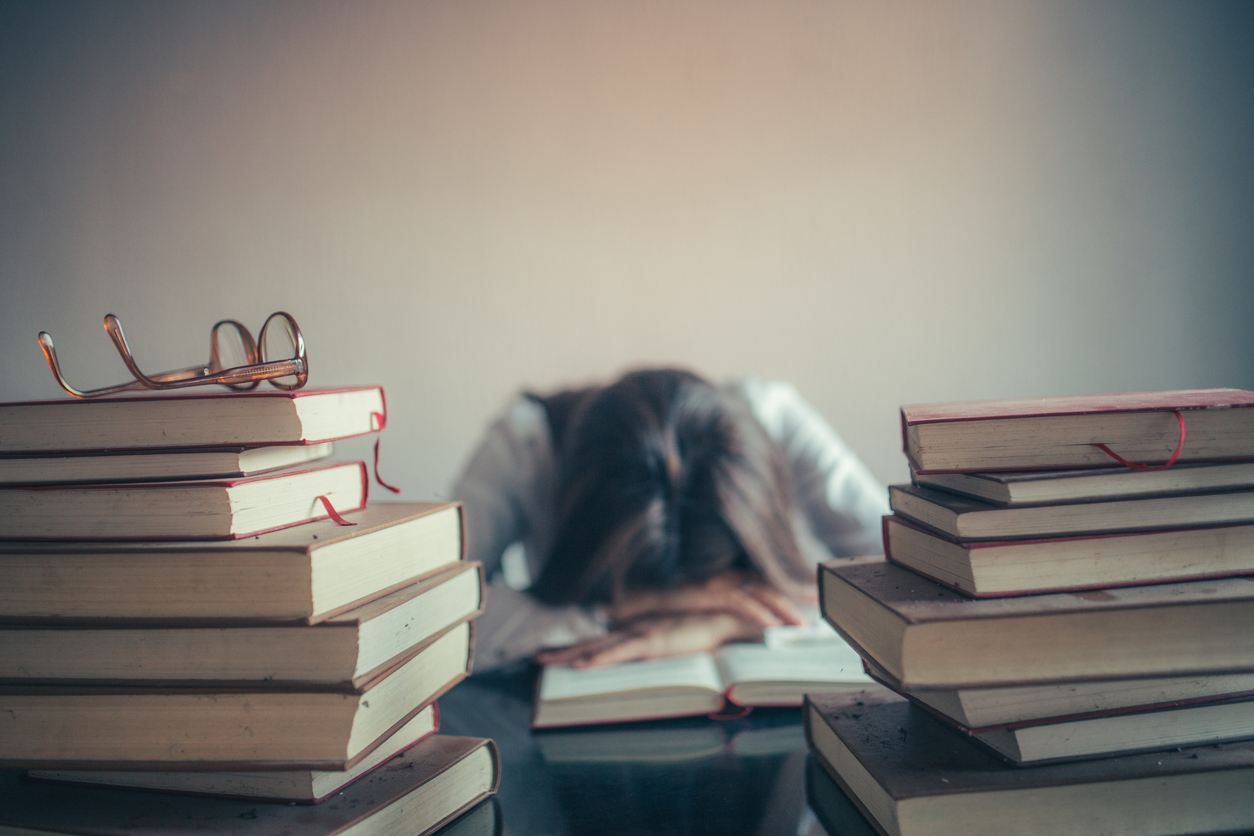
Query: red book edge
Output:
(1165,401)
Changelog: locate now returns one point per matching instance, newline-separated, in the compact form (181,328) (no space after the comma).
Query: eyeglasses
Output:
(278,355)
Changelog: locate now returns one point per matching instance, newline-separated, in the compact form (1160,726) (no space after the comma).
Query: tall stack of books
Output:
(1066,647)
(178,615)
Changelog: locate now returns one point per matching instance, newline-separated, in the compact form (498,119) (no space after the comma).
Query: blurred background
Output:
(882,202)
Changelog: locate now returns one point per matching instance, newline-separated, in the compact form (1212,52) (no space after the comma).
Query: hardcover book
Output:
(345,651)
(302,574)
(197,510)
(909,773)
(304,786)
(962,518)
(138,728)
(996,568)
(94,468)
(207,419)
(1062,432)
(1040,487)
(416,792)
(928,636)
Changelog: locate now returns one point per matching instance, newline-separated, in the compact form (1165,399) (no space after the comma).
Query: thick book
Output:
(99,728)
(1042,487)
(302,786)
(307,573)
(1007,705)
(154,466)
(194,510)
(963,518)
(995,568)
(417,792)
(831,805)
(1061,432)
(743,674)
(911,774)
(1104,735)
(208,419)
(345,651)
(928,636)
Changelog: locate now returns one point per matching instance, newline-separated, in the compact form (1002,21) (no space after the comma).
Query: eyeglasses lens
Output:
(278,342)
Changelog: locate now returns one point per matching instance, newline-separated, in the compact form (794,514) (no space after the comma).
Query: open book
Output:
(778,672)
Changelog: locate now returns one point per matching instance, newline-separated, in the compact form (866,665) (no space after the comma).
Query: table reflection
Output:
(687,776)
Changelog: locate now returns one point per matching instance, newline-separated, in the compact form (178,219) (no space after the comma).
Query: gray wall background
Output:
(882,202)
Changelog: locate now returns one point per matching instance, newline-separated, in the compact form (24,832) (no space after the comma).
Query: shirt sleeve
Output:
(840,499)
(506,492)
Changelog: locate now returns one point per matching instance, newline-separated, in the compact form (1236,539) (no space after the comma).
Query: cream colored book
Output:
(306,786)
(347,650)
(305,573)
(741,674)
(135,728)
(156,466)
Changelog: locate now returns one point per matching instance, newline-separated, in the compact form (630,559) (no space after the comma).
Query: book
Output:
(836,813)
(743,674)
(1049,486)
(1149,729)
(305,786)
(416,792)
(1010,704)
(194,510)
(206,419)
(665,742)
(344,651)
(969,519)
(1060,432)
(998,568)
(306,573)
(99,728)
(151,466)
(909,773)
(928,636)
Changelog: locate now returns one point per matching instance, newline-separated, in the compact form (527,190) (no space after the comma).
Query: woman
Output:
(660,514)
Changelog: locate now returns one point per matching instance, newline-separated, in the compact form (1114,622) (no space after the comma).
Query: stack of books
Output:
(1064,646)
(177,615)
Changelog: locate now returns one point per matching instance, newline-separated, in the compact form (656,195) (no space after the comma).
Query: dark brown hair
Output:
(664,479)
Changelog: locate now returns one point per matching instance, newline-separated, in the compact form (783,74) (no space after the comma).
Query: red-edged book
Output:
(994,569)
(1065,432)
(209,419)
(195,510)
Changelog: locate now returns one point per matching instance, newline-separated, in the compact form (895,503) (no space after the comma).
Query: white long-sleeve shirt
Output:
(509,491)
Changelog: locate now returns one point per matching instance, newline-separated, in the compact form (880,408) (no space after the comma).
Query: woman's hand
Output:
(654,636)
(732,591)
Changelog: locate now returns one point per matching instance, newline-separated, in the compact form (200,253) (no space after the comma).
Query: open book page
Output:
(696,670)
(780,672)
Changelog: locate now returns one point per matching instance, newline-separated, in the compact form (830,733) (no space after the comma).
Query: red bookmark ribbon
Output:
(1135,465)
(334,514)
(383,422)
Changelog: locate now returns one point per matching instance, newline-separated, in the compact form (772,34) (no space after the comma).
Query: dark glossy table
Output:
(687,776)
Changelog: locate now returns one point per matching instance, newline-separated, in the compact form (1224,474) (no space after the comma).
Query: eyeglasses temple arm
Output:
(50,354)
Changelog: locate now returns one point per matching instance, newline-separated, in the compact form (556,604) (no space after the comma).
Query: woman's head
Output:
(665,479)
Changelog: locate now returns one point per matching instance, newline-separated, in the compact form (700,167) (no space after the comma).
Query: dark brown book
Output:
(1063,432)
(997,568)
(967,519)
(345,651)
(909,773)
(99,728)
(416,792)
(928,636)
(306,573)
